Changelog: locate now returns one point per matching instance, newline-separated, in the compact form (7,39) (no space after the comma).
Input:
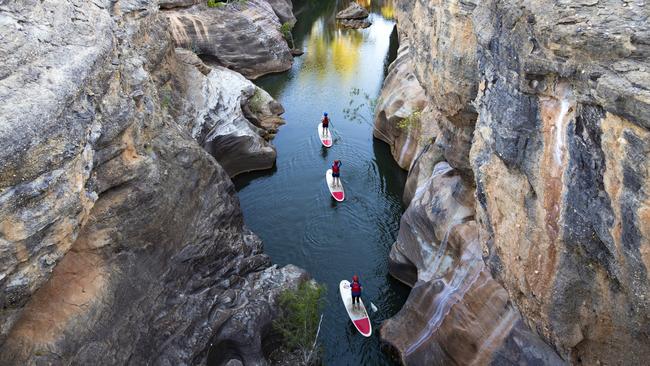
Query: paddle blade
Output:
(373,307)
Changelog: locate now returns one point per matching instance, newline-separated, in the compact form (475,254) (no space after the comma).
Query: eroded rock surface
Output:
(456,313)
(354,16)
(121,238)
(221,100)
(399,108)
(542,106)
(244,37)
(353,11)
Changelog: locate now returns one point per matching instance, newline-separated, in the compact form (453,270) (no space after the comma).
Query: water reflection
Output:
(329,47)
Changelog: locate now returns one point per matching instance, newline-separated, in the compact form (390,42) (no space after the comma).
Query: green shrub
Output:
(299,323)
(410,121)
(256,101)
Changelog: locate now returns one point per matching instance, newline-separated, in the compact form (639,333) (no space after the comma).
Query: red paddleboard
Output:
(325,139)
(358,315)
(336,191)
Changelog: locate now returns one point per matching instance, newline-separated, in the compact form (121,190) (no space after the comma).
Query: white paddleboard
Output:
(337,192)
(359,316)
(326,140)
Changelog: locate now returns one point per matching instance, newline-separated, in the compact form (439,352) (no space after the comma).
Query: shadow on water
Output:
(290,207)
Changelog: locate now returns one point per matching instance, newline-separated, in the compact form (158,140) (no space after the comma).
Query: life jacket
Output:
(356,287)
(335,168)
(326,121)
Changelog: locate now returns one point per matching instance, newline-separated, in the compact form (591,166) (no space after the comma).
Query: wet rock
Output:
(244,37)
(353,11)
(121,238)
(170,4)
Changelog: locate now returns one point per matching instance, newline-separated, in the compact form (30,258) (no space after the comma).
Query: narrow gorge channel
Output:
(290,207)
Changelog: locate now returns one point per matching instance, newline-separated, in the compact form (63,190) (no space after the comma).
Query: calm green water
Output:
(290,207)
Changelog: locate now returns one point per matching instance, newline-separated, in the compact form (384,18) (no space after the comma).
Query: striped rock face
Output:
(542,107)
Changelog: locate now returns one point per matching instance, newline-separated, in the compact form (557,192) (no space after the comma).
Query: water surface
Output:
(290,207)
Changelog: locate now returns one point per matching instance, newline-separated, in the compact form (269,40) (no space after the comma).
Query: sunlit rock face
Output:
(243,36)
(562,170)
(542,106)
(121,238)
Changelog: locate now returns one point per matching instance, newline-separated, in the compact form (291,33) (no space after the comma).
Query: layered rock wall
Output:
(243,36)
(542,108)
(121,238)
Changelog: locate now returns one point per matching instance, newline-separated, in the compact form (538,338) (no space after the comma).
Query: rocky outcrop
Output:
(121,238)
(221,100)
(354,16)
(244,37)
(542,106)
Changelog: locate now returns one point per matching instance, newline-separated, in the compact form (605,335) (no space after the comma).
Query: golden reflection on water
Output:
(330,49)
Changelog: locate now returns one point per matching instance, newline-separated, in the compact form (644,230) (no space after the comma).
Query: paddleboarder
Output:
(336,172)
(355,288)
(326,123)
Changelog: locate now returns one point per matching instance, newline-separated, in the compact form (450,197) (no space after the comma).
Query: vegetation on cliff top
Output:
(300,320)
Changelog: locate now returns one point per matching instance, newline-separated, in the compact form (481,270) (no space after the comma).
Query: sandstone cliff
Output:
(242,36)
(121,238)
(541,110)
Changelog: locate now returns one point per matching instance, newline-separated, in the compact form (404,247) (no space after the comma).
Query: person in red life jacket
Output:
(355,287)
(326,124)
(336,172)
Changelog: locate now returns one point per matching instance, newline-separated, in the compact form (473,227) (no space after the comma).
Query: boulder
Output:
(353,11)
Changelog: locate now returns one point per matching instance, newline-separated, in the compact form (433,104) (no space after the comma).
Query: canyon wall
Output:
(121,237)
(536,152)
